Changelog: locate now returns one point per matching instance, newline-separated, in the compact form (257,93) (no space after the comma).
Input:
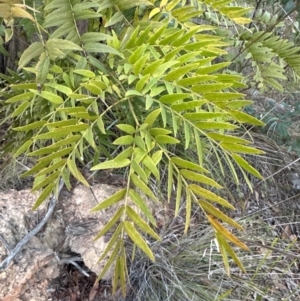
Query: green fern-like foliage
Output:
(149,65)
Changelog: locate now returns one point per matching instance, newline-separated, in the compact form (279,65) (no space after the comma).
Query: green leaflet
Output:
(188,211)
(110,260)
(23,148)
(62,44)
(125,154)
(150,119)
(20,109)
(228,138)
(43,196)
(129,129)
(139,170)
(245,118)
(204,193)
(206,125)
(139,201)
(138,239)
(245,165)
(49,179)
(150,69)
(116,197)
(171,98)
(222,96)
(31,126)
(204,115)
(210,87)
(52,167)
(101,48)
(138,221)
(137,54)
(116,18)
(112,164)
(164,139)
(20,97)
(124,140)
(147,161)
(61,88)
(109,225)
(76,173)
(187,164)
(91,37)
(85,73)
(55,99)
(238,148)
(190,81)
(185,106)
(142,186)
(189,175)
(159,131)
(174,75)
(42,69)
(33,51)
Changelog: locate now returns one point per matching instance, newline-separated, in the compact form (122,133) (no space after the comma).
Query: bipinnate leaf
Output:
(138,239)
(111,223)
(76,173)
(138,221)
(112,164)
(204,193)
(116,197)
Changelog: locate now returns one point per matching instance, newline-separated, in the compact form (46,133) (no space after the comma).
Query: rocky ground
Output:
(43,270)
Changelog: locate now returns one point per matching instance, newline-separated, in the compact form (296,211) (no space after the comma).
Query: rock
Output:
(71,228)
